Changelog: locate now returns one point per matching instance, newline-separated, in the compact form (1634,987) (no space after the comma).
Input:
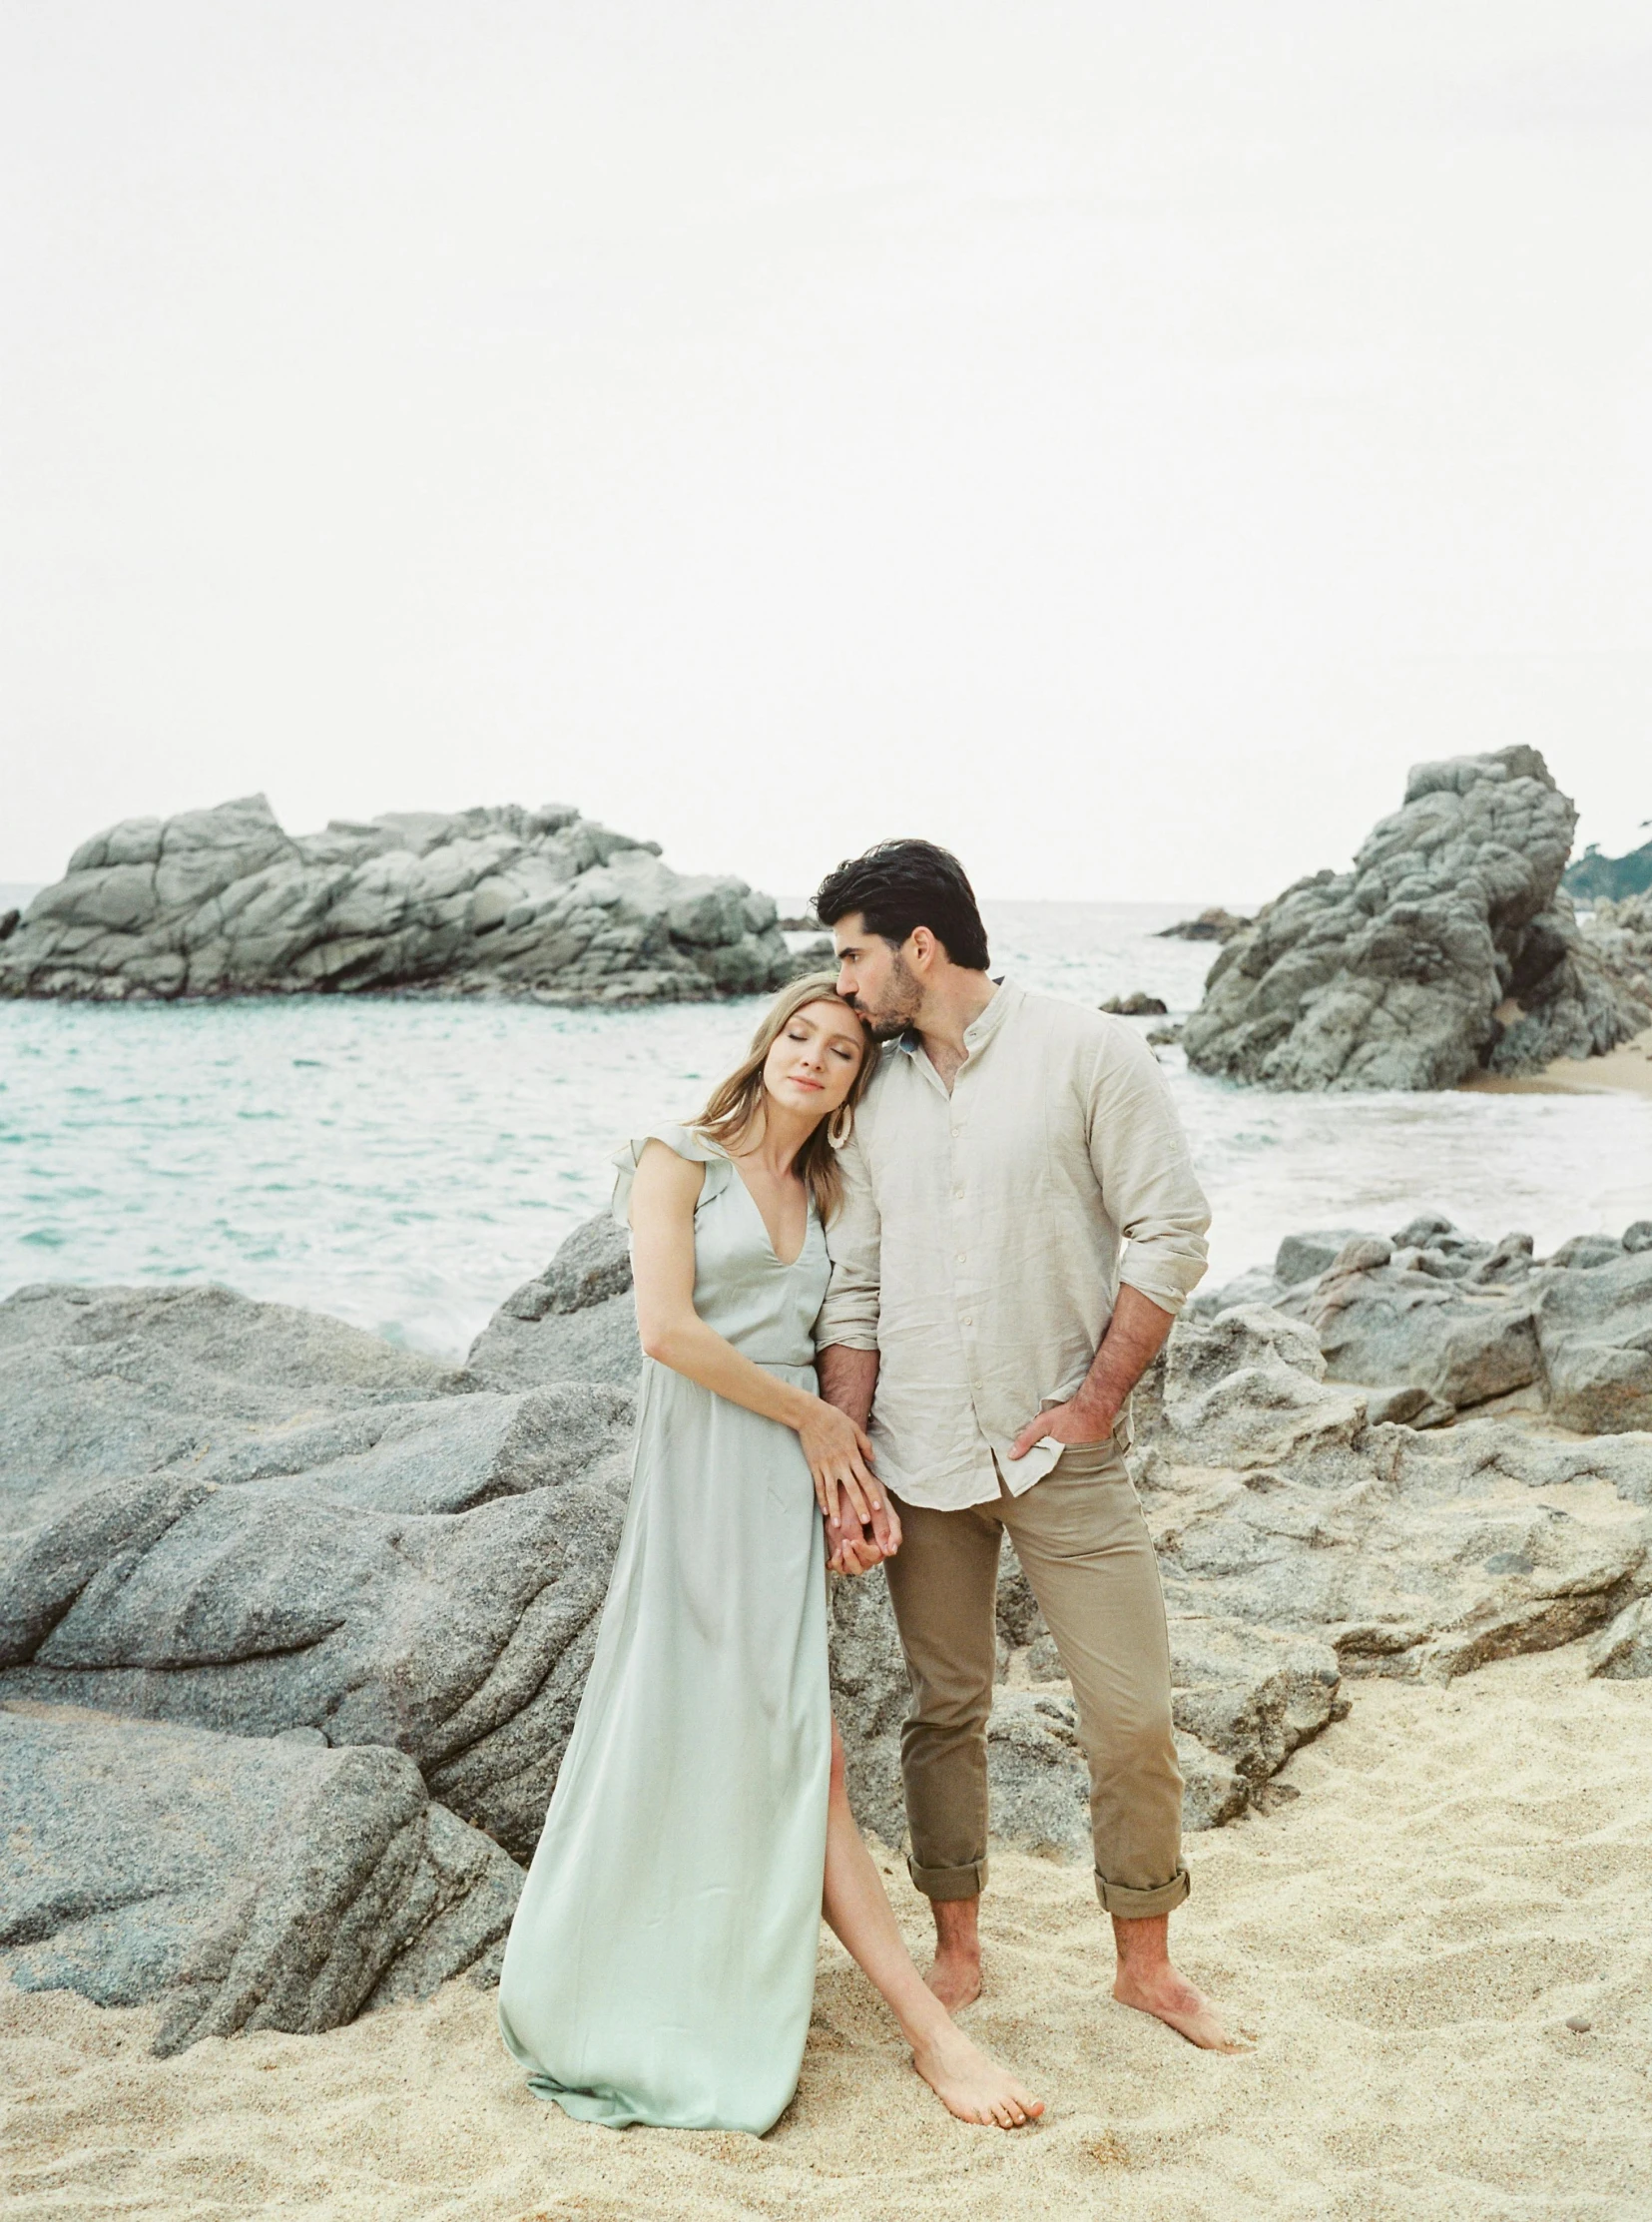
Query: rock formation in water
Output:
(1449,948)
(1210,925)
(500,900)
(1620,935)
(293,1625)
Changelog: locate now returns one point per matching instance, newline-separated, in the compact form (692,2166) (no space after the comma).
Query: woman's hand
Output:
(839,1457)
(852,1550)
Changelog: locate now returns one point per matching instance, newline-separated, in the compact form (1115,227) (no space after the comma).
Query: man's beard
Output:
(898,1012)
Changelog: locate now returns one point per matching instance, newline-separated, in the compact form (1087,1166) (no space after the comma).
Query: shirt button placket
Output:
(965,1319)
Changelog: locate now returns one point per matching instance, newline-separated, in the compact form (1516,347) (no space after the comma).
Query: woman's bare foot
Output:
(970,2085)
(1171,1998)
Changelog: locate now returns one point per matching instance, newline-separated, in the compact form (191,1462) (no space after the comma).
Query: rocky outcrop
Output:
(1448,948)
(1596,1324)
(239,1883)
(1248,1388)
(1392,1552)
(576,1321)
(1431,1321)
(1620,935)
(500,900)
(1622,1651)
(422,1576)
(241,1543)
(1210,925)
(100,1384)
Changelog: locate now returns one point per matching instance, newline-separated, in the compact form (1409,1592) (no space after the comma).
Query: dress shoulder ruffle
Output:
(686,1144)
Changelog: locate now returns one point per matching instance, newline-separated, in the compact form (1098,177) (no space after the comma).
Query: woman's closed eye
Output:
(844,1049)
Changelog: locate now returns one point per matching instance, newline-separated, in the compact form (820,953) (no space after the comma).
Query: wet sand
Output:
(1463,1870)
(1627,1069)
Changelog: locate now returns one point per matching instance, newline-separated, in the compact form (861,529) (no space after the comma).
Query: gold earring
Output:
(840,1126)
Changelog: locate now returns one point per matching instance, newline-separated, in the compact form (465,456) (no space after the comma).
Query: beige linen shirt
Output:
(977,1248)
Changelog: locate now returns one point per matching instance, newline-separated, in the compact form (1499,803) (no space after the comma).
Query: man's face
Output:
(875,979)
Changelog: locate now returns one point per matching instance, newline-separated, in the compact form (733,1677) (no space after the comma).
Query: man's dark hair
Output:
(899,884)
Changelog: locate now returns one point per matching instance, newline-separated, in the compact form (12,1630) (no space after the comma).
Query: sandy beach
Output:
(1451,1875)
(1627,1069)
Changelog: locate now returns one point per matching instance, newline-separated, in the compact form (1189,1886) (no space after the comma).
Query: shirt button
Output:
(958,1191)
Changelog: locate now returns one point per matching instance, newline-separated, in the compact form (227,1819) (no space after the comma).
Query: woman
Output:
(661,1966)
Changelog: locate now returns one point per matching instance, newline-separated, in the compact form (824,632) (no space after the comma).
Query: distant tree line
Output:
(1610,877)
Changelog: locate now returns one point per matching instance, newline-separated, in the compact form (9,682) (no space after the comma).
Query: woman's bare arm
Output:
(663,1197)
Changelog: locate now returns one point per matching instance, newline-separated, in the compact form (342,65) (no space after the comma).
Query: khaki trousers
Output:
(1083,1543)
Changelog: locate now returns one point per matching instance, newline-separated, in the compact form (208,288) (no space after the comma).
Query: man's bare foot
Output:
(1171,1998)
(970,2085)
(956,1977)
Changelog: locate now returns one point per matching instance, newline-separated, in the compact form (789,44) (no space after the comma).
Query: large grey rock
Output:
(1306,1257)
(1250,1693)
(1433,1321)
(869,1699)
(426,1579)
(1256,1287)
(1622,1650)
(576,1321)
(502,900)
(1595,1327)
(1421,1553)
(99,1384)
(239,1883)
(1248,1388)
(1619,934)
(1402,1322)
(1448,947)
(1244,1698)
(1038,1786)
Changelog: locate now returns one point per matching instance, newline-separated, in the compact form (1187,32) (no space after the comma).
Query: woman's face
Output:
(812,1060)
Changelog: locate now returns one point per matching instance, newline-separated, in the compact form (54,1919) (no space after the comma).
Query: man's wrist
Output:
(1099,1414)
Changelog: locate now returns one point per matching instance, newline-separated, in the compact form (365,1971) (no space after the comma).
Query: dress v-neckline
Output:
(786,1263)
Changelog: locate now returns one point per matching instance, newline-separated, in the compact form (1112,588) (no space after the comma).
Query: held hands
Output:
(1073,1422)
(839,1458)
(862,1527)
(851,1549)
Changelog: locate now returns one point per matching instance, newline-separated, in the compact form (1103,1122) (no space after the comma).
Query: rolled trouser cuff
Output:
(1139,1905)
(948,1881)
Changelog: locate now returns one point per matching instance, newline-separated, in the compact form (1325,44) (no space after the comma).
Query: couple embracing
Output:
(923,1277)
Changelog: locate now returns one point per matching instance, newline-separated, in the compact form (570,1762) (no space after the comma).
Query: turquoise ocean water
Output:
(404,1164)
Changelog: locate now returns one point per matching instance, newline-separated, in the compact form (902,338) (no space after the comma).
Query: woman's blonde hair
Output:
(733,1107)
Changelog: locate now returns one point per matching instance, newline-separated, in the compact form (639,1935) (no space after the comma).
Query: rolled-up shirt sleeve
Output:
(850,1312)
(1148,1186)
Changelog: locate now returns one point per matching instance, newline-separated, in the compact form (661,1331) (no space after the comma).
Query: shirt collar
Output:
(981,1031)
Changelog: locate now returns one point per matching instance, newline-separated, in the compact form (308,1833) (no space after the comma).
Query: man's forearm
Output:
(848,1378)
(1135,1335)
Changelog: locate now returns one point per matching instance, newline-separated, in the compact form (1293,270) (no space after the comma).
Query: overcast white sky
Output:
(1114,440)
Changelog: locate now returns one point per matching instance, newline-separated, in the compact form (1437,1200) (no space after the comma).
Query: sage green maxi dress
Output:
(661,1965)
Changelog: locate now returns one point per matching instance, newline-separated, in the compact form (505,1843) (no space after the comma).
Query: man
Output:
(1010,1147)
